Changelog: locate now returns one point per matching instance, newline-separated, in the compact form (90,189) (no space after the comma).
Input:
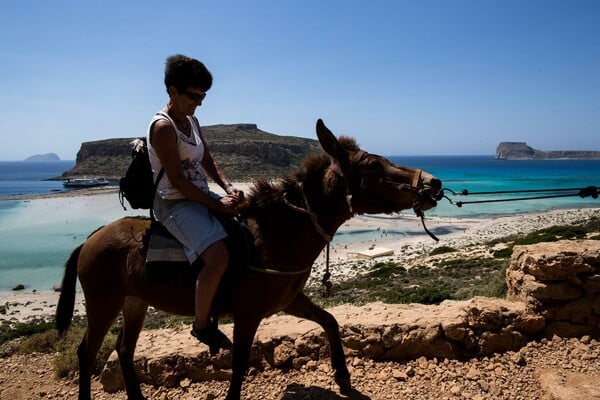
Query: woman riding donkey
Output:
(183,203)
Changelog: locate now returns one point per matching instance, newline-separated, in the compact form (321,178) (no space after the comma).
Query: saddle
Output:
(166,261)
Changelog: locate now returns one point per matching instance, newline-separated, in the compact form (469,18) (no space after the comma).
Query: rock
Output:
(20,286)
(591,284)
(551,261)
(283,354)
(554,291)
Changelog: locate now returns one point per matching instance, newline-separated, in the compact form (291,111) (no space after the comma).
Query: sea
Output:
(36,236)
(28,177)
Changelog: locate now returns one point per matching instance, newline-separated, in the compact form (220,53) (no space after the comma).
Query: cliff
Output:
(521,151)
(243,151)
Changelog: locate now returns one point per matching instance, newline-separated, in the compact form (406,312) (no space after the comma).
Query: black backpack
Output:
(138,186)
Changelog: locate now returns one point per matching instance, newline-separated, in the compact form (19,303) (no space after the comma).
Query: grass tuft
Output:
(442,250)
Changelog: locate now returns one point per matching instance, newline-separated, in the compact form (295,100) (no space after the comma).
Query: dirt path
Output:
(561,369)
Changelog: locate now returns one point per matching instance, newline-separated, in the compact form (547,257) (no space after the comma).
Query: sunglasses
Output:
(194,96)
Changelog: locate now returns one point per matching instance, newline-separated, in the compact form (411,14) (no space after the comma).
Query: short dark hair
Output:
(182,72)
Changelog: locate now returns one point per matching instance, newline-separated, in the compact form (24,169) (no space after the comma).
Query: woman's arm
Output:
(164,142)
(213,170)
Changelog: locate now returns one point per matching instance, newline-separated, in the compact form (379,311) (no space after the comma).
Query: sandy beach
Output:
(25,305)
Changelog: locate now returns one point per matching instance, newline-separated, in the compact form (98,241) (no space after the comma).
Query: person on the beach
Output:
(183,202)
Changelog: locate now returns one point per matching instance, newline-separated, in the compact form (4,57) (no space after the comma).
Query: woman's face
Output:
(189,99)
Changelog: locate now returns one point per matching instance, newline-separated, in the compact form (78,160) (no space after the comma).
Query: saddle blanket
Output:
(163,247)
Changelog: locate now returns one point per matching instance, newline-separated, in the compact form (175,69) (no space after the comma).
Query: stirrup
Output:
(212,337)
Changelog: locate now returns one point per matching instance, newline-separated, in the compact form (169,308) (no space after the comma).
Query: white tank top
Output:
(191,152)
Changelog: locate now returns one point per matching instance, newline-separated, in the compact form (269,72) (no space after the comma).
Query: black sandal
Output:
(212,337)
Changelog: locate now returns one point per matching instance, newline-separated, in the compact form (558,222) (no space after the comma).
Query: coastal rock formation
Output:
(242,150)
(521,151)
(553,290)
(561,282)
(43,157)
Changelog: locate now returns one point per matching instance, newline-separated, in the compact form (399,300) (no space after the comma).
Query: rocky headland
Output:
(522,151)
(242,150)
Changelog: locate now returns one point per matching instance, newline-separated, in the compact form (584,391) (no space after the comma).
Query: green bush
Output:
(385,270)
(429,294)
(66,363)
(9,332)
(442,250)
(553,234)
(504,253)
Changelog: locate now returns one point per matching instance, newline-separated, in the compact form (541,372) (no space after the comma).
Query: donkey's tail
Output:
(66,301)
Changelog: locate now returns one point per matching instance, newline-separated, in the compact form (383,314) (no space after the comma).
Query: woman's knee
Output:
(216,256)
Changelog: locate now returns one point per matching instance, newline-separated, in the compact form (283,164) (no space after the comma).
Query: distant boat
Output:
(85,182)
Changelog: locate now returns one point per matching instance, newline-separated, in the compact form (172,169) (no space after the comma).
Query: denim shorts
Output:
(191,223)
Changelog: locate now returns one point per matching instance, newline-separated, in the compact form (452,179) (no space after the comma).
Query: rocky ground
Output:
(561,369)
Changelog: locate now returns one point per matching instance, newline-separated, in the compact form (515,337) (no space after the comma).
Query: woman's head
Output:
(182,72)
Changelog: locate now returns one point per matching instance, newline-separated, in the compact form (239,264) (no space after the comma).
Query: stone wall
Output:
(553,289)
(561,282)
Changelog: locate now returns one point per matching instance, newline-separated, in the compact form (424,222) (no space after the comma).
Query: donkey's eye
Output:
(374,166)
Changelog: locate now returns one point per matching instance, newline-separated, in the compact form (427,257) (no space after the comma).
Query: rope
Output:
(326,281)
(581,192)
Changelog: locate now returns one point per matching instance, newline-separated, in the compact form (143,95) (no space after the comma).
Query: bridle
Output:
(417,186)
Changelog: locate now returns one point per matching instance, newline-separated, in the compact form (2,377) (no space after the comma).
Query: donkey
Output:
(289,222)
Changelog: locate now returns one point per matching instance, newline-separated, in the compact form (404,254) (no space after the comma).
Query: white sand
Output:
(23,306)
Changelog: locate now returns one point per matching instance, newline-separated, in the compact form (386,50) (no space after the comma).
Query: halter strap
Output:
(313,217)
(416,180)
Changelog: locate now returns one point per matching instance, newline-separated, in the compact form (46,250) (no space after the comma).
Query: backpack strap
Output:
(158,178)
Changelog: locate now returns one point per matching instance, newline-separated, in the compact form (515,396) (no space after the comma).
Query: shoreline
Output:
(28,305)
(63,193)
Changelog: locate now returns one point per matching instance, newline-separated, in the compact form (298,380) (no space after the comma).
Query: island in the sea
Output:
(43,157)
(521,151)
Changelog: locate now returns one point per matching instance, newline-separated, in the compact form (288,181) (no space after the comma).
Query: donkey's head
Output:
(376,185)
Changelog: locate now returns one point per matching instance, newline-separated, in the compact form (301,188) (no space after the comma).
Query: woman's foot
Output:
(212,337)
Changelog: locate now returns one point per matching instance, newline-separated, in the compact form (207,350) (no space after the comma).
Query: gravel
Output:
(550,369)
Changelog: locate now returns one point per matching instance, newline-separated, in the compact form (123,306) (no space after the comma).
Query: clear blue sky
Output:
(403,78)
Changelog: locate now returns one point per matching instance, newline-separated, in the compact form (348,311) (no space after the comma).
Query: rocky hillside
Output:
(242,150)
(521,151)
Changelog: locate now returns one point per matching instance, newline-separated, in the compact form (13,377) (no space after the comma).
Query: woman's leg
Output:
(215,259)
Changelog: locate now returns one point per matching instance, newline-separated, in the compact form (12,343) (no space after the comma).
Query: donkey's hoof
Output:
(345,385)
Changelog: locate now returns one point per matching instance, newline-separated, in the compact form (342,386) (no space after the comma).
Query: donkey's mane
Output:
(265,193)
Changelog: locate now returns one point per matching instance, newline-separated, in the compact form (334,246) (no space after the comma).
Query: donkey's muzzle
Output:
(430,193)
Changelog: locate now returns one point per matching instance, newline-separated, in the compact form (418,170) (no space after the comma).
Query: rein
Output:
(581,192)
(313,217)
(318,228)
(273,271)
(326,280)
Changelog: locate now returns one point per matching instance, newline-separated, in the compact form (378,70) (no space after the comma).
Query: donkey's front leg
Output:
(244,329)
(303,307)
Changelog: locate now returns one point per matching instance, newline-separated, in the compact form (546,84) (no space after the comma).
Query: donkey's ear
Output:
(330,143)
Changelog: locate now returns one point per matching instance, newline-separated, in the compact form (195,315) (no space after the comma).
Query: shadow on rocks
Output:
(295,391)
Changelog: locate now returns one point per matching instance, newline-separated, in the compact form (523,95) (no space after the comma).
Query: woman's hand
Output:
(228,203)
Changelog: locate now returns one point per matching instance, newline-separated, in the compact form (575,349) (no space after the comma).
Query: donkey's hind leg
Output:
(134,313)
(303,307)
(100,316)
